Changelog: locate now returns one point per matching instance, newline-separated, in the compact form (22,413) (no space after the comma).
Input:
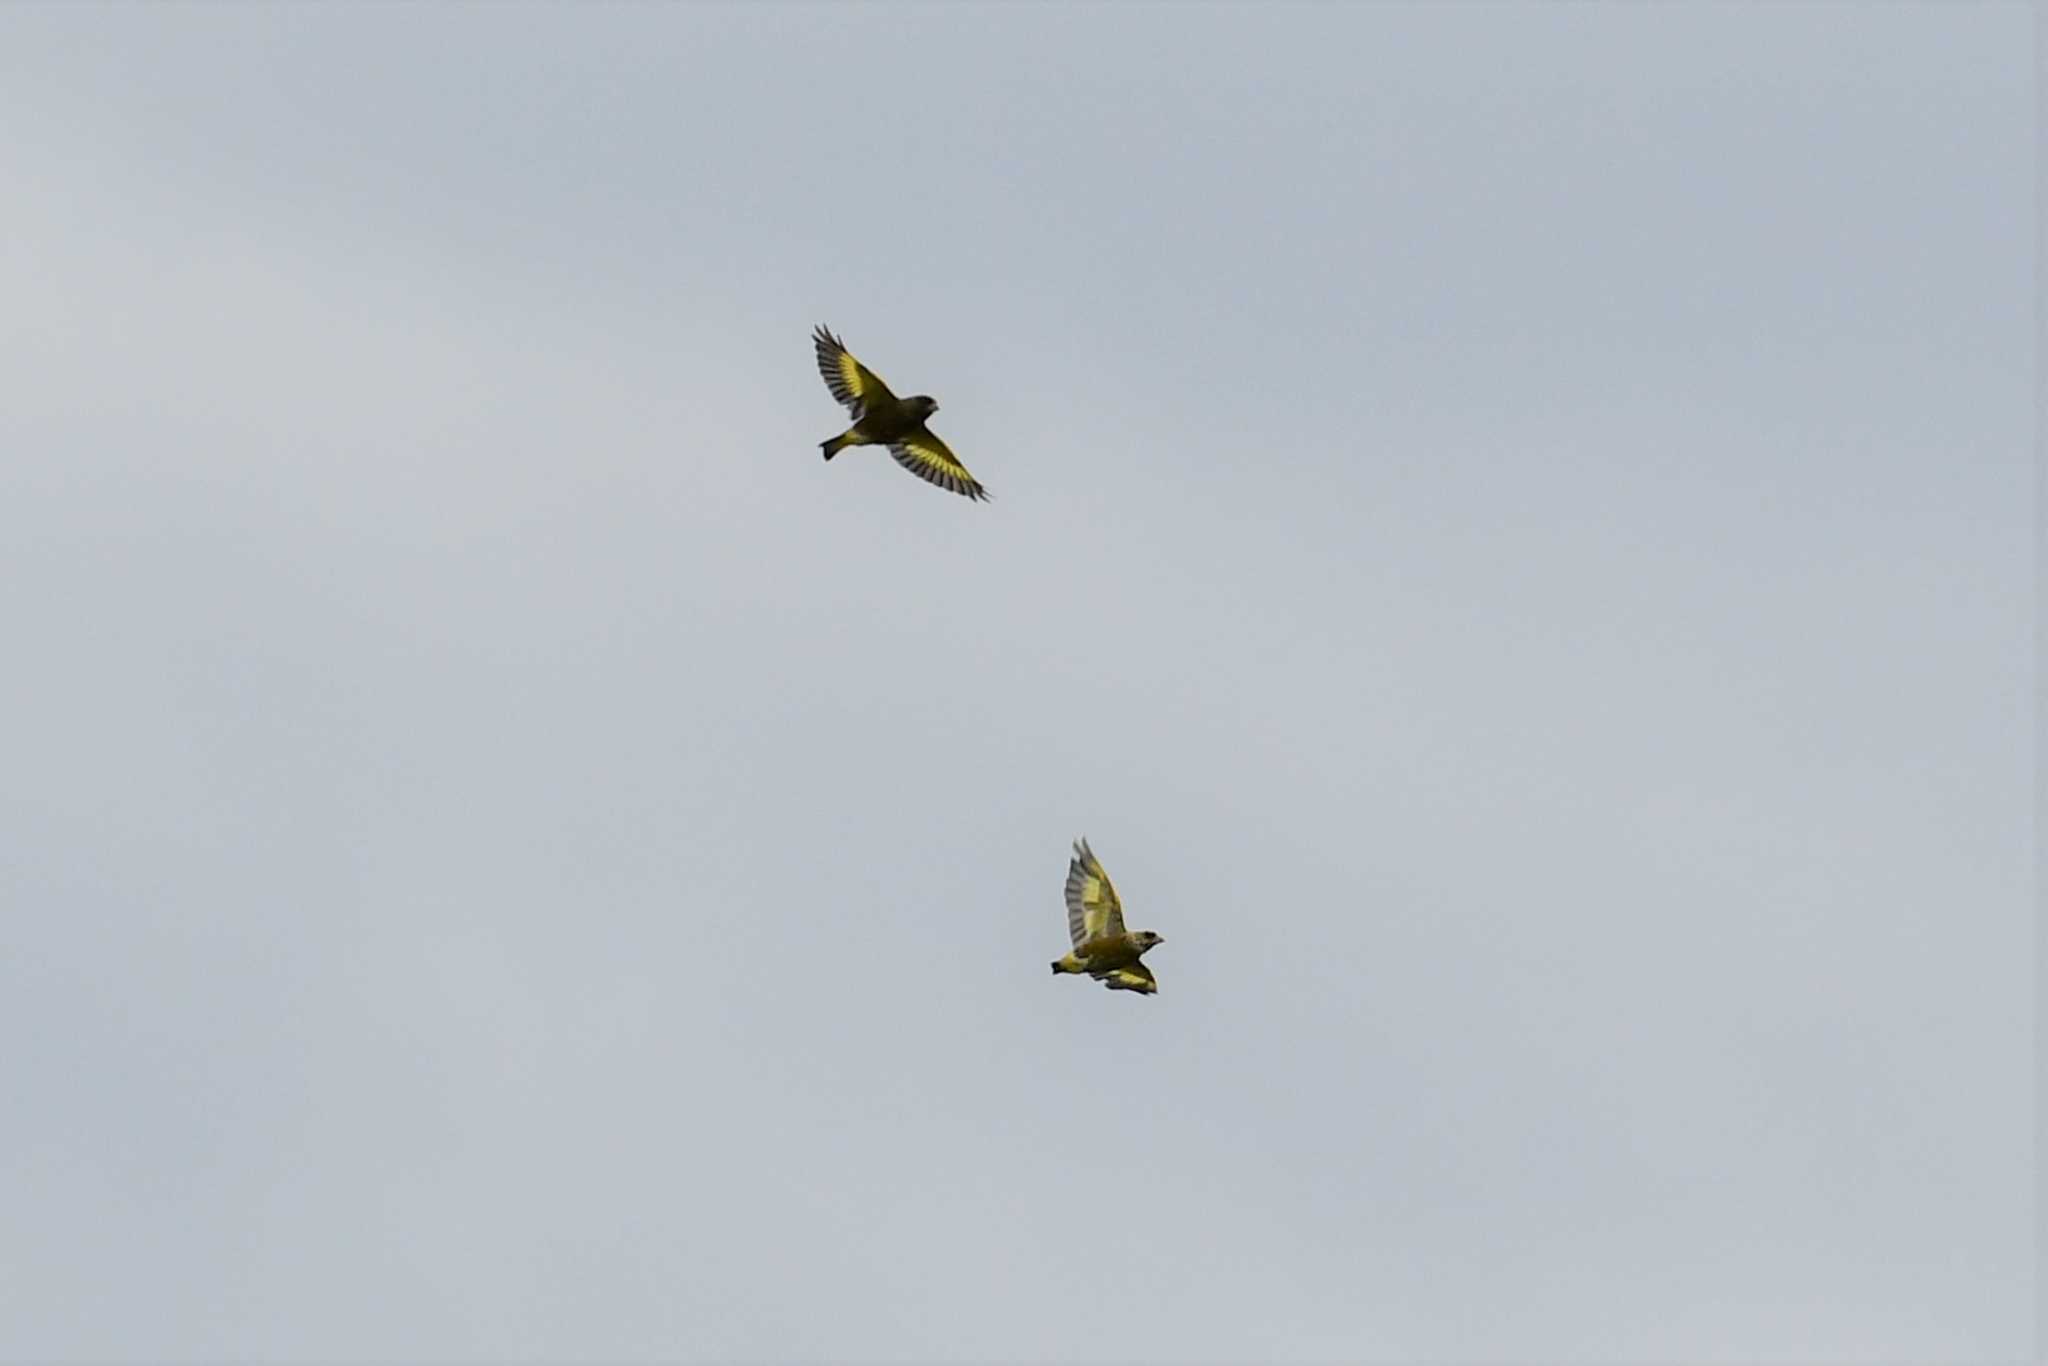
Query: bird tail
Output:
(834,446)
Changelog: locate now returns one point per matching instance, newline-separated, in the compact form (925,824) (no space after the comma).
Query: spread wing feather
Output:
(850,382)
(933,461)
(1092,907)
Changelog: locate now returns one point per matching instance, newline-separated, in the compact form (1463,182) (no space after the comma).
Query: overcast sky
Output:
(1512,539)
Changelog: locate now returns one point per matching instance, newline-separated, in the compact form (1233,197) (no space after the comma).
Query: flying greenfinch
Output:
(882,419)
(1103,948)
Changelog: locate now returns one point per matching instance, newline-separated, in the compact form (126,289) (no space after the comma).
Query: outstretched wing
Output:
(850,382)
(1137,977)
(1092,907)
(933,461)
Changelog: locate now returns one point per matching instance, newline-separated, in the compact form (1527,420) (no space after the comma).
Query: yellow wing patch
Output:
(1092,907)
(932,460)
(850,382)
(1137,977)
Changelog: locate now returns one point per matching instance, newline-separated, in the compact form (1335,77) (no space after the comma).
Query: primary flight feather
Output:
(882,419)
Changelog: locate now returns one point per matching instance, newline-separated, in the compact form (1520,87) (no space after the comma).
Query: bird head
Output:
(1148,940)
(923,405)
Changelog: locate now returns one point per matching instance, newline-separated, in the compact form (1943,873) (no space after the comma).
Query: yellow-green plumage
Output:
(882,419)
(1103,948)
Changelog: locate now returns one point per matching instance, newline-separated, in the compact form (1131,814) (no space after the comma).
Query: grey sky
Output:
(1511,538)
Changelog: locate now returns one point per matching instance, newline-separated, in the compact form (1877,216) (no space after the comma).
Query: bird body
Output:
(1102,953)
(882,419)
(1103,948)
(884,426)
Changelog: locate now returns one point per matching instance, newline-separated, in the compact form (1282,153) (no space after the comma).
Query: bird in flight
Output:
(882,419)
(1103,948)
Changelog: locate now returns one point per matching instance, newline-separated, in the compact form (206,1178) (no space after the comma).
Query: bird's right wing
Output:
(1092,907)
(1137,977)
(933,461)
(850,382)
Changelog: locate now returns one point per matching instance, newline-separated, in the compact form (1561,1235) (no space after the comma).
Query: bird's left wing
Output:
(1092,907)
(933,461)
(1137,977)
(850,382)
